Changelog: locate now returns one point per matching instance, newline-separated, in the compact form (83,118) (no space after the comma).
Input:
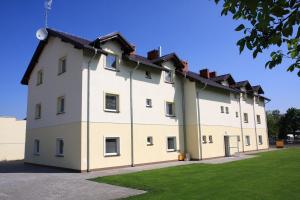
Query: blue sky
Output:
(193,29)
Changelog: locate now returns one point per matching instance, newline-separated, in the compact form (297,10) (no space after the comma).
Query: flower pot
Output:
(279,144)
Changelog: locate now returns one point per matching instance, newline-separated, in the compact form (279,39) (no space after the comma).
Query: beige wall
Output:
(12,138)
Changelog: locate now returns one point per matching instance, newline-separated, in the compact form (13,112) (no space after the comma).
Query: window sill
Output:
(38,84)
(149,144)
(247,145)
(36,154)
(169,82)
(59,155)
(246,122)
(148,77)
(112,69)
(148,106)
(171,150)
(37,118)
(210,142)
(172,116)
(60,113)
(111,154)
(60,73)
(204,142)
(112,111)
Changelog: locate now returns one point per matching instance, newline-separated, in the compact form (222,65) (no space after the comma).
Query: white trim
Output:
(175,143)
(104,146)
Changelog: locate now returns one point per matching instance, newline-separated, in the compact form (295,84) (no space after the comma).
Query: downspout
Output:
(88,111)
(199,125)
(131,114)
(241,121)
(266,122)
(255,122)
(183,116)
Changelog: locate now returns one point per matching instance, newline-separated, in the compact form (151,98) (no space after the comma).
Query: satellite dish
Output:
(42,34)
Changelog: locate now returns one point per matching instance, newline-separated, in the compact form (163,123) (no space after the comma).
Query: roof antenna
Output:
(42,33)
(160,51)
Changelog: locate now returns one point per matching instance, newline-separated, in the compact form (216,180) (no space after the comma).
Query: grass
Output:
(271,175)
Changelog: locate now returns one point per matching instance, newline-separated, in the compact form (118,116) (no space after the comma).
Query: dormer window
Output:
(111,62)
(148,75)
(169,76)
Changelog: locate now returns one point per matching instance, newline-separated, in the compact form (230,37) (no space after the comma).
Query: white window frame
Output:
(40,77)
(210,139)
(149,103)
(246,118)
(247,139)
(175,143)
(118,146)
(36,147)
(58,153)
(237,114)
(117,62)
(59,103)
(148,75)
(260,140)
(149,140)
(173,109)
(38,111)
(204,139)
(62,70)
(244,96)
(258,119)
(171,72)
(117,110)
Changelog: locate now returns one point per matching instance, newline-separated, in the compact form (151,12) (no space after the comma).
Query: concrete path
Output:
(18,181)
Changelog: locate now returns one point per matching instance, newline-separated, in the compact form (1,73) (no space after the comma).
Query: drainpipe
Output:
(255,122)
(199,125)
(88,111)
(183,117)
(131,114)
(241,120)
(267,129)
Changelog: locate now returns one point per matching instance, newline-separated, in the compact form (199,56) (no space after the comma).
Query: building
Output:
(12,138)
(97,104)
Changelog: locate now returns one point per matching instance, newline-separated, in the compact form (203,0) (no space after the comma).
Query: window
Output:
(244,96)
(62,66)
(222,109)
(111,62)
(59,147)
(39,79)
(257,100)
(169,76)
(148,103)
(36,147)
(112,102)
(236,114)
(210,138)
(148,75)
(246,118)
(227,110)
(247,140)
(260,140)
(170,109)
(171,144)
(149,140)
(238,138)
(61,105)
(112,146)
(38,111)
(236,96)
(258,119)
(204,140)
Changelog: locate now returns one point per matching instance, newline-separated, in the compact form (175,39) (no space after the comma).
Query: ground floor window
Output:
(204,140)
(149,140)
(112,146)
(260,140)
(210,138)
(247,140)
(171,144)
(60,147)
(36,147)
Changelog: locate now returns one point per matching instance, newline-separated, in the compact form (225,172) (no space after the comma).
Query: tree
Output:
(273,118)
(269,23)
(290,122)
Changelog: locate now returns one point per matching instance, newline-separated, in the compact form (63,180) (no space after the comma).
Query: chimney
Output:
(134,51)
(212,74)
(186,66)
(151,55)
(204,73)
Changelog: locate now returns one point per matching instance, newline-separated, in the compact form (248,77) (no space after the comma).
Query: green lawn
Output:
(271,175)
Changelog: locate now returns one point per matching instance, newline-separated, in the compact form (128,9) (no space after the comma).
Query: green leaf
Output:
(240,27)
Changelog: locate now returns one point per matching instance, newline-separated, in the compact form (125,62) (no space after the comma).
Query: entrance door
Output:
(227,147)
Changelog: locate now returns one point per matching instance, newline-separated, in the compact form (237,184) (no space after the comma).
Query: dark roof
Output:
(78,42)
(258,89)
(171,56)
(196,77)
(137,58)
(118,37)
(243,84)
(225,77)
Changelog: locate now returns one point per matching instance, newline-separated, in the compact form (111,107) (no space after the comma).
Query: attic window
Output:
(148,74)
(169,76)
(111,62)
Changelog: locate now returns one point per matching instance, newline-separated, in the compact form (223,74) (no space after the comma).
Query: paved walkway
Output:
(18,181)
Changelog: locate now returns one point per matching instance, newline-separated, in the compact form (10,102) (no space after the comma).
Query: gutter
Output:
(131,113)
